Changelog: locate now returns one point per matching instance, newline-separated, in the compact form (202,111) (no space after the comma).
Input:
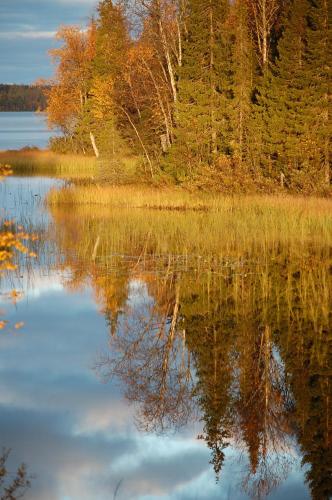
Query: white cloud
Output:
(79,2)
(31,35)
(32,284)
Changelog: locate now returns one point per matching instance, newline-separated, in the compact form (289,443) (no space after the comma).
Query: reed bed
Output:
(273,263)
(226,232)
(43,162)
(219,218)
(141,196)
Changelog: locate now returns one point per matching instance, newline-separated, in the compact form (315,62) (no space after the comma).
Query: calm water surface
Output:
(21,129)
(148,369)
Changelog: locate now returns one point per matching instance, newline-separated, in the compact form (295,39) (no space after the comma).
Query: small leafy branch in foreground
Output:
(12,485)
(12,240)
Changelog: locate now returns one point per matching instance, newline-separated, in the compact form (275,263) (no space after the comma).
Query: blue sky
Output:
(27,29)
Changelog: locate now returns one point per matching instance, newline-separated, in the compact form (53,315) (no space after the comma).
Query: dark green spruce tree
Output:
(112,42)
(288,106)
(278,123)
(242,81)
(201,114)
(318,71)
(294,100)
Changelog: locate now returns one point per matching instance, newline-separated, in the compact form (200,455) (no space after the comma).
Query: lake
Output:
(149,368)
(21,129)
(157,361)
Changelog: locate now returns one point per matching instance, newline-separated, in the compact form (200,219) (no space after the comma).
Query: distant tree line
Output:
(214,93)
(22,98)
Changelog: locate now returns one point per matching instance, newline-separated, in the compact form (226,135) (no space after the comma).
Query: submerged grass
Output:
(140,196)
(39,162)
(223,218)
(236,227)
(269,266)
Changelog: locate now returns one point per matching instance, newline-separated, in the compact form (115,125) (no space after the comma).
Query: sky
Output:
(27,29)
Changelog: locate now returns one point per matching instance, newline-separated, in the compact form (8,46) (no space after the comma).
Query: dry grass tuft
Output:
(38,162)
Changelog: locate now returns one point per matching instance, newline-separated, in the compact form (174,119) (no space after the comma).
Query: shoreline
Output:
(83,170)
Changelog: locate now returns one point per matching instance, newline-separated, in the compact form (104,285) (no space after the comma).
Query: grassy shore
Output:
(172,198)
(276,218)
(249,218)
(43,162)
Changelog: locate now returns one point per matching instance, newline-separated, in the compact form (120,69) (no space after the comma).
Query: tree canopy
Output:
(214,94)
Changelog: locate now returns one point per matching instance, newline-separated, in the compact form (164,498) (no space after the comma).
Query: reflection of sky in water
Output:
(21,129)
(23,199)
(76,434)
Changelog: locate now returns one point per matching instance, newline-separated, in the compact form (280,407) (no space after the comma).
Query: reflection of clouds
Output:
(163,463)
(76,434)
(66,462)
(33,284)
(90,466)
(92,407)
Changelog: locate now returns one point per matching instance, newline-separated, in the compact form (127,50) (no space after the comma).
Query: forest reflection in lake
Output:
(220,340)
(235,335)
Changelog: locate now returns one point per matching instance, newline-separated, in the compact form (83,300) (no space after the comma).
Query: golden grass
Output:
(216,224)
(270,257)
(272,218)
(140,196)
(41,162)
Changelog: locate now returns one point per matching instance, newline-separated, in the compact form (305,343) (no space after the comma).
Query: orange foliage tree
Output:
(69,90)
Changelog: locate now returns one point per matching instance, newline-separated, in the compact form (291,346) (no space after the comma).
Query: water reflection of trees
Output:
(148,354)
(242,342)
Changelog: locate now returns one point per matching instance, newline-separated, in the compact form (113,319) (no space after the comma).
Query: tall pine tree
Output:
(318,70)
(242,79)
(294,100)
(288,105)
(201,115)
(112,43)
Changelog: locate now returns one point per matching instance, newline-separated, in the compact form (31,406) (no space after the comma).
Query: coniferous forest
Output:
(21,98)
(229,95)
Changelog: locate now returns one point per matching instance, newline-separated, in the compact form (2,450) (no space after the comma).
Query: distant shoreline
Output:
(17,98)
(24,111)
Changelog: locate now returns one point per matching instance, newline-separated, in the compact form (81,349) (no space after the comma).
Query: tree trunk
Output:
(168,60)
(94,145)
(212,85)
(140,140)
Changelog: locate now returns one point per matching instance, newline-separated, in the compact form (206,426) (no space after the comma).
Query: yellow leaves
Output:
(17,325)
(7,266)
(5,255)
(11,240)
(5,170)
(102,93)
(69,89)
(15,296)
(63,104)
(140,52)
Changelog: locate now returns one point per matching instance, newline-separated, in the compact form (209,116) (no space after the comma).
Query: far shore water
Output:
(23,129)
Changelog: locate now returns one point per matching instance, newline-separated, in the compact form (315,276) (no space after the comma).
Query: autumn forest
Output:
(223,95)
